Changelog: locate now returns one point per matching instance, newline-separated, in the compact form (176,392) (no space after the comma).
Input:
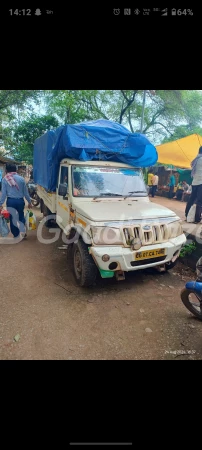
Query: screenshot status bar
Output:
(115,11)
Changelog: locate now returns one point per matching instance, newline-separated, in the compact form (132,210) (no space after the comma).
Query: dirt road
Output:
(140,318)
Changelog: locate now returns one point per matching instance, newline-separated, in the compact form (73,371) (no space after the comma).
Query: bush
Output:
(188,249)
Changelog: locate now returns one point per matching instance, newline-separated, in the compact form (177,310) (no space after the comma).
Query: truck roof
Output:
(95,163)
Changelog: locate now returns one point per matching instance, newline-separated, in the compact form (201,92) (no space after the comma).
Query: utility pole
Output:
(143,107)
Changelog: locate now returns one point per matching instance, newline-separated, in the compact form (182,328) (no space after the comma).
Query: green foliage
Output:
(20,139)
(183,131)
(73,106)
(16,98)
(168,114)
(188,249)
(13,104)
(145,174)
(164,110)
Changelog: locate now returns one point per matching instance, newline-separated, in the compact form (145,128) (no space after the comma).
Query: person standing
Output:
(149,180)
(15,189)
(155,180)
(196,195)
(171,185)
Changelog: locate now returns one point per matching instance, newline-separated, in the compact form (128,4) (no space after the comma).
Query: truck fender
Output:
(84,234)
(86,238)
(77,232)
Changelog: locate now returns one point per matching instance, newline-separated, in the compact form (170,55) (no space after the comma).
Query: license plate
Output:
(150,254)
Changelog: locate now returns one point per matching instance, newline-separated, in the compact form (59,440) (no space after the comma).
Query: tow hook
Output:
(175,256)
(161,268)
(120,275)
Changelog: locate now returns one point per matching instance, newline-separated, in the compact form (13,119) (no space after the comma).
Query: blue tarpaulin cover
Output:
(96,140)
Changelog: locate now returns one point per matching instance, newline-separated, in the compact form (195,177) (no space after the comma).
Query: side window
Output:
(64,176)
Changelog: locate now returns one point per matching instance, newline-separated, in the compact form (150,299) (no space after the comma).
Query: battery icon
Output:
(173,12)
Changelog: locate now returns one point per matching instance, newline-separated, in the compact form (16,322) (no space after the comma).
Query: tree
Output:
(171,109)
(73,106)
(19,140)
(77,105)
(13,103)
(164,109)
(168,113)
(182,131)
(17,98)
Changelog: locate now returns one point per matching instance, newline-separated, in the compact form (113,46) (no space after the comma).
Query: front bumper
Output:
(125,256)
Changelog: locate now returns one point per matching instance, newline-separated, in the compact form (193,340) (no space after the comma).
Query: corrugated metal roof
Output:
(5,160)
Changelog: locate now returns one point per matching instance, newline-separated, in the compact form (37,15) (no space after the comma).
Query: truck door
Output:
(63,212)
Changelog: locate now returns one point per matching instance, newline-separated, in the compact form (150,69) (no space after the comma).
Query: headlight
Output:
(174,229)
(106,236)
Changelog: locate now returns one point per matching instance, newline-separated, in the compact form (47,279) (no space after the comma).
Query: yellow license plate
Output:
(150,254)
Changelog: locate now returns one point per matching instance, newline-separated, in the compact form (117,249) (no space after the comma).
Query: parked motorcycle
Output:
(191,295)
(32,189)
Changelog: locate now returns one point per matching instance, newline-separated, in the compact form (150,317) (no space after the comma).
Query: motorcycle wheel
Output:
(35,200)
(192,301)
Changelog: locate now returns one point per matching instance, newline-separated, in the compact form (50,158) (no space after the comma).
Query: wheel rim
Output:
(77,263)
(195,302)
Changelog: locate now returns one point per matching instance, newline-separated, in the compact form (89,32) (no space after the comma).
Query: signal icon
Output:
(165,12)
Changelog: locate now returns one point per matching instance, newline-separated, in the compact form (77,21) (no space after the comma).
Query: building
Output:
(4,160)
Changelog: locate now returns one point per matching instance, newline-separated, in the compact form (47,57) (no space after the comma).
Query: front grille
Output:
(156,234)
(164,232)
(137,232)
(147,237)
(160,233)
(147,261)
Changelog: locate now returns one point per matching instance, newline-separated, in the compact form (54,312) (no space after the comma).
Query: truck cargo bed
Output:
(49,198)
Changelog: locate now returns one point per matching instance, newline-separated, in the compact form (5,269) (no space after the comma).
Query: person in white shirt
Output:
(155,180)
(196,195)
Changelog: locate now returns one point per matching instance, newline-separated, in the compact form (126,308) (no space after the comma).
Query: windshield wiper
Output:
(110,194)
(134,192)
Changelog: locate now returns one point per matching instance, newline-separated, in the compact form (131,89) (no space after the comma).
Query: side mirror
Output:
(62,190)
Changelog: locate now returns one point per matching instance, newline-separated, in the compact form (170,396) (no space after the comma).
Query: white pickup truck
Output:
(111,225)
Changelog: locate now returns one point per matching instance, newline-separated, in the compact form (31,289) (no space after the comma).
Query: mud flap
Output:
(106,273)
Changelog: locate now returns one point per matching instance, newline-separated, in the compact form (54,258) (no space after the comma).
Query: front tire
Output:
(194,308)
(85,270)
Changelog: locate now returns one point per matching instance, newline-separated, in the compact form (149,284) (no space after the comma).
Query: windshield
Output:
(91,181)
